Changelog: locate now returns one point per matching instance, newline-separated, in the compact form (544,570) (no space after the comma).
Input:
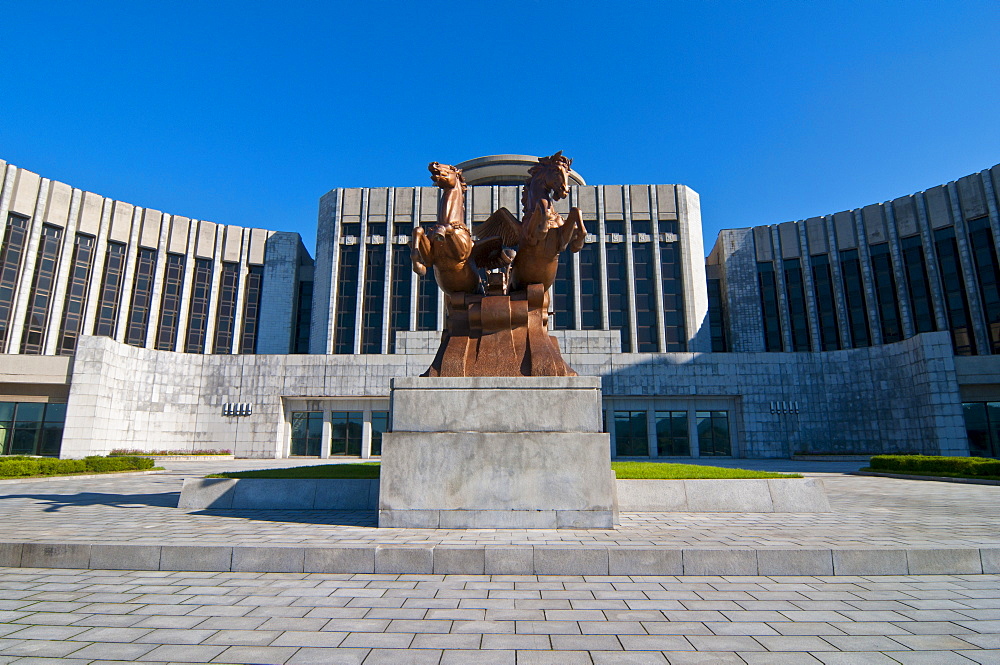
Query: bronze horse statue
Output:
(542,234)
(448,248)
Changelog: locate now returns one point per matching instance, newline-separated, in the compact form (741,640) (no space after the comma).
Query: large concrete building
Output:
(863,331)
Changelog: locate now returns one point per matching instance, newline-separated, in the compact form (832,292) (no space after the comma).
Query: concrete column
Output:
(61,283)
(931,262)
(779,282)
(840,299)
(128,275)
(693,431)
(187,287)
(324,445)
(362,265)
(899,270)
(654,216)
(574,193)
(97,272)
(991,206)
(387,280)
(241,291)
(969,274)
(651,430)
(160,272)
(812,309)
(414,291)
(609,418)
(214,289)
(630,271)
(324,300)
(874,321)
(20,311)
(694,281)
(603,272)
(366,434)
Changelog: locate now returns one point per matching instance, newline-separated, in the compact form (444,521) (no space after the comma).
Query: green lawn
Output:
(931,474)
(623,470)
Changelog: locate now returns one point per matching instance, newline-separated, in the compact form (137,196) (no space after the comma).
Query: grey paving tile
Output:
(322,656)
(401,657)
(628,658)
(553,658)
(928,658)
(114,651)
(855,658)
(462,641)
(175,636)
(703,658)
(465,657)
(378,640)
(517,642)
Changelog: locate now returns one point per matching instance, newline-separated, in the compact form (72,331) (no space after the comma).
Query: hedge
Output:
(50,466)
(931,464)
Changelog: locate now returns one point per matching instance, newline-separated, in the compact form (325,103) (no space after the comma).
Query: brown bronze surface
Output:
(497,287)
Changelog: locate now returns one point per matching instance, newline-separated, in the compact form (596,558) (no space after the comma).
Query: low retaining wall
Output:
(779,495)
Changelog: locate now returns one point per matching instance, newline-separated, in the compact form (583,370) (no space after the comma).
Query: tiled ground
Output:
(868,513)
(81,616)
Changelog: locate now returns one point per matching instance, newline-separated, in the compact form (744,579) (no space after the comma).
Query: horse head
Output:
(447,176)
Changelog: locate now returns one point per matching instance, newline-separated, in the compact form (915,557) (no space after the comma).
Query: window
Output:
(225,318)
(644,289)
(672,434)
(562,294)
(31,428)
(985,257)
(142,294)
(201,291)
(347,428)
(307,433)
(885,293)
(76,294)
(673,293)
(769,306)
(399,292)
(631,439)
(590,287)
(251,310)
(956,302)
(303,317)
(617,283)
(716,320)
(380,425)
(347,294)
(982,424)
(170,305)
(42,285)
(10,264)
(373,300)
(921,304)
(795,292)
(854,296)
(111,287)
(826,305)
(713,433)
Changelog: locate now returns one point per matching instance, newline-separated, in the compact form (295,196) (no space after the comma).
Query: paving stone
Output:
(467,657)
(255,654)
(570,561)
(869,562)
(41,555)
(720,562)
(186,557)
(324,656)
(459,560)
(703,658)
(628,658)
(268,559)
(125,557)
(403,657)
(795,562)
(949,561)
(553,657)
(340,560)
(644,561)
(404,560)
(114,651)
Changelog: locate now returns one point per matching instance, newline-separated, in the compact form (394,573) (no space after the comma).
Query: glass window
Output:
(201,293)
(769,306)
(225,317)
(347,293)
(826,305)
(10,264)
(251,310)
(380,425)
(795,292)
(885,293)
(854,296)
(988,272)
(631,439)
(982,425)
(307,433)
(31,428)
(955,298)
(673,294)
(170,305)
(347,428)
(399,293)
(373,299)
(42,285)
(921,304)
(142,294)
(590,287)
(618,318)
(713,433)
(76,294)
(562,294)
(303,317)
(672,434)
(644,292)
(716,320)
(111,288)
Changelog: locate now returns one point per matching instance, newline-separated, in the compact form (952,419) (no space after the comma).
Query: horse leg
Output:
(421,251)
(579,231)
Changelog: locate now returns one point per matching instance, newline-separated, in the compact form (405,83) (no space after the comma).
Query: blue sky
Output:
(246,113)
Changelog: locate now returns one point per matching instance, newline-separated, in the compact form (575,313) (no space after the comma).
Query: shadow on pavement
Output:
(363,518)
(56,502)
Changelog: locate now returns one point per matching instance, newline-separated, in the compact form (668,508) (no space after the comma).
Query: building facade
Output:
(124,327)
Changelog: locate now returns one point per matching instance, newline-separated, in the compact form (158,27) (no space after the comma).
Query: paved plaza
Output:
(79,615)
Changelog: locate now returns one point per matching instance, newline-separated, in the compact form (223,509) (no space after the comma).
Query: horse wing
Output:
(503,224)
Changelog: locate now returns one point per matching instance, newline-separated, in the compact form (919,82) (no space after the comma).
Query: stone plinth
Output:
(506,452)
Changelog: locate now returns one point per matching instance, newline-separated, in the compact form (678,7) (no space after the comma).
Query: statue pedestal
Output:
(496,452)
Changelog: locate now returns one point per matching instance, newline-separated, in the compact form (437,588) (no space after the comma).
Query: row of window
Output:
(82,264)
(346,431)
(31,428)
(668,434)
(912,275)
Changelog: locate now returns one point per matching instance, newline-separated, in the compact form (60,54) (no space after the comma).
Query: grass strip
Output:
(41,467)
(936,465)
(928,474)
(623,470)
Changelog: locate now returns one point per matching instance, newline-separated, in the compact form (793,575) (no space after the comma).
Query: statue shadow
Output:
(56,502)
(357,518)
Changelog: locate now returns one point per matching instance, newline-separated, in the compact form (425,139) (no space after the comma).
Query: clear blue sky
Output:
(246,113)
